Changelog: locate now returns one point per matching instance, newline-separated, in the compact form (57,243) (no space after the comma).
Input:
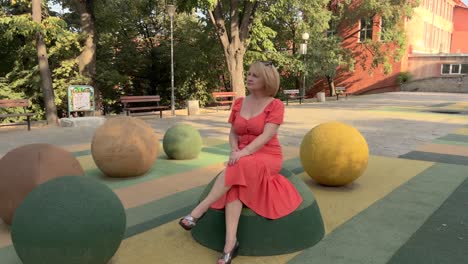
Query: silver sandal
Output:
(190,220)
(229,256)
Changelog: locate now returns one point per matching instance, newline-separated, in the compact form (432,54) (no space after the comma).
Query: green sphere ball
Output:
(182,142)
(71,220)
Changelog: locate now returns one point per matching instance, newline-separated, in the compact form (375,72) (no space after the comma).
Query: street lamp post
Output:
(303,51)
(171,11)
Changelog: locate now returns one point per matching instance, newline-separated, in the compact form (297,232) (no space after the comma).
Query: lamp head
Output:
(171,10)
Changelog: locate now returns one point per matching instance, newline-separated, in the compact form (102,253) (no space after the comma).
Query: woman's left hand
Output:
(236,155)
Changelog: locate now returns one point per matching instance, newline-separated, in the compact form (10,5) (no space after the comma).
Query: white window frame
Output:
(371,19)
(450,69)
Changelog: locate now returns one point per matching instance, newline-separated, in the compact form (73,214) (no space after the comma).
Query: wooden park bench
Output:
(293,95)
(223,98)
(340,91)
(10,103)
(130,99)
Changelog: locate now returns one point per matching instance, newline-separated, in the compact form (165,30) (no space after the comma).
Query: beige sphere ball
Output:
(124,147)
(24,168)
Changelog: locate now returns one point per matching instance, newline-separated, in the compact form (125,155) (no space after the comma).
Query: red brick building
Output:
(438,26)
(460,30)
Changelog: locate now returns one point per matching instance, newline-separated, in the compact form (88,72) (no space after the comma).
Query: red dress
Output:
(255,178)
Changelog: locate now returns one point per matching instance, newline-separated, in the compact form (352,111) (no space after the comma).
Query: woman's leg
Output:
(215,193)
(232,212)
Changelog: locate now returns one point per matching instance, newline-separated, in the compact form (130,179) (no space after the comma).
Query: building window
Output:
(445,68)
(464,69)
(384,22)
(454,69)
(365,31)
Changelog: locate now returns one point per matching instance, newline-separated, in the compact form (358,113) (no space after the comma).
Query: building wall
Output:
(460,34)
(431,27)
(425,66)
(446,84)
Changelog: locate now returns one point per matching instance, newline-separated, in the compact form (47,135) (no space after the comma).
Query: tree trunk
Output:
(87,58)
(331,85)
(46,76)
(234,45)
(235,64)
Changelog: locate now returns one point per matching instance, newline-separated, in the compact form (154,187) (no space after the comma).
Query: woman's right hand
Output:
(236,155)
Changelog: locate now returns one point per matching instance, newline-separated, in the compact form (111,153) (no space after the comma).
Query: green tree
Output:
(232,22)
(277,33)
(44,69)
(21,76)
(262,30)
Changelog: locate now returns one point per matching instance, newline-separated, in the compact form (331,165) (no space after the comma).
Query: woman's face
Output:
(255,82)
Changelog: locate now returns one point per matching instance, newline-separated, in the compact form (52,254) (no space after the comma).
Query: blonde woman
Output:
(251,177)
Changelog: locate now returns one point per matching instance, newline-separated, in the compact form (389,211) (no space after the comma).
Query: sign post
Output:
(80,99)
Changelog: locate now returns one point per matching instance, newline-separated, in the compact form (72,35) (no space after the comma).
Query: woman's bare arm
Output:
(233,139)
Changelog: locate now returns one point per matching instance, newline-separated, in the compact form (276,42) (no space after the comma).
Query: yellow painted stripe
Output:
(170,244)
(461,105)
(461,131)
(445,149)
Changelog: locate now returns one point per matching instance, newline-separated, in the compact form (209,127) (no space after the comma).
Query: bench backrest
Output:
(340,88)
(291,91)
(223,94)
(5,103)
(139,99)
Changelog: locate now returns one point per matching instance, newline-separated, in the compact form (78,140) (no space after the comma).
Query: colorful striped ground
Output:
(447,112)
(451,148)
(399,211)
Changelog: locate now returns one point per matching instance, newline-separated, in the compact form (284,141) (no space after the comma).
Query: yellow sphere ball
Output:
(334,154)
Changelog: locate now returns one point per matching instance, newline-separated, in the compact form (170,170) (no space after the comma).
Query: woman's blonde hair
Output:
(270,75)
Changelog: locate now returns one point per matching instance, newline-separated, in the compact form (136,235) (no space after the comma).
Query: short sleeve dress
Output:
(255,179)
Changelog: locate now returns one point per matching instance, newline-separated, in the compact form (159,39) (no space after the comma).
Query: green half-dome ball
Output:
(72,220)
(182,142)
(259,236)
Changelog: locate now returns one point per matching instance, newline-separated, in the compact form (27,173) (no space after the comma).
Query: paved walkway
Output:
(401,210)
(388,132)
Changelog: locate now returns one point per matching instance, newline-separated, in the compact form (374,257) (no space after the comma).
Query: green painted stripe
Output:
(397,109)
(294,165)
(436,157)
(141,215)
(82,153)
(444,236)
(447,142)
(455,137)
(374,235)
(441,105)
(164,167)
